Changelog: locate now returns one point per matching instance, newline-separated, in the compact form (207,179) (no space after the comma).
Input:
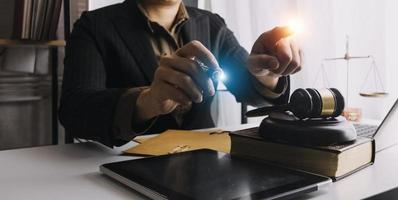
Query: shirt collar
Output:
(181,17)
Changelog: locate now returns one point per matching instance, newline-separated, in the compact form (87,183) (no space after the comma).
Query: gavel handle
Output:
(267,110)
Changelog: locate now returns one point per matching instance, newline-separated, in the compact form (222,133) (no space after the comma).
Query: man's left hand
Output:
(273,55)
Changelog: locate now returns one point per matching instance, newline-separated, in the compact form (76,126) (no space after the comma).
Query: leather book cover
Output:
(253,134)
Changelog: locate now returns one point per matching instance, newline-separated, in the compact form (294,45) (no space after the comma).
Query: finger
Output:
(279,33)
(175,94)
(284,55)
(267,42)
(181,81)
(301,57)
(297,70)
(296,59)
(259,64)
(195,49)
(301,63)
(190,67)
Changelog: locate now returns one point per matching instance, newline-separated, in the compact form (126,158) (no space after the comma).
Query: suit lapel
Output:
(196,28)
(129,25)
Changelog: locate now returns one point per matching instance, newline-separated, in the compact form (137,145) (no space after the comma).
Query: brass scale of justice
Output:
(379,90)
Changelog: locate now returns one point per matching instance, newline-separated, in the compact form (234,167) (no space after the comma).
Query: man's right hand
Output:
(178,81)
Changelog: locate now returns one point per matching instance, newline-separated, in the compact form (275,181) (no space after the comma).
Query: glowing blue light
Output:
(223,77)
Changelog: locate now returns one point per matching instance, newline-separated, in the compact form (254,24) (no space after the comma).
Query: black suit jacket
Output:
(109,53)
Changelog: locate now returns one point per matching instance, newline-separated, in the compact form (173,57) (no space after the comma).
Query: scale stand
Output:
(347,57)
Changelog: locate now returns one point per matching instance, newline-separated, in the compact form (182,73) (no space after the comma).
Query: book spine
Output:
(29,19)
(55,19)
(18,19)
(33,20)
(43,20)
(38,18)
(47,22)
(25,19)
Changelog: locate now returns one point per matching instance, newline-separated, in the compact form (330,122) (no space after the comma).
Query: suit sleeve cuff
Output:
(124,127)
(280,88)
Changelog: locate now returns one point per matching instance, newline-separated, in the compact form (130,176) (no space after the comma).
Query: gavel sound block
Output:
(312,117)
(286,128)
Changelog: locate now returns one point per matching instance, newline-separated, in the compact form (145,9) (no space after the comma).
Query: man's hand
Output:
(178,81)
(273,55)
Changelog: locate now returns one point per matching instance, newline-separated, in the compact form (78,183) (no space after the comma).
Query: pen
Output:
(214,74)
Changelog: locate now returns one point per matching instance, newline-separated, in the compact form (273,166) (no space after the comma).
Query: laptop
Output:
(208,174)
(385,134)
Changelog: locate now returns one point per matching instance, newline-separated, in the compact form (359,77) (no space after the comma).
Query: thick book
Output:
(27,19)
(18,19)
(36,19)
(333,161)
(55,19)
(33,19)
(48,14)
(7,16)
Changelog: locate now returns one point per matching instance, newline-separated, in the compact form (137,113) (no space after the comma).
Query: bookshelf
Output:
(53,45)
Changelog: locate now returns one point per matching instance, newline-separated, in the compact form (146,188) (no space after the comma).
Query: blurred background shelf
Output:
(46,43)
(30,95)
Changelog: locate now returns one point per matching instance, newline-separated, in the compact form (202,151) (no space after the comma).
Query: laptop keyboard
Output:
(365,130)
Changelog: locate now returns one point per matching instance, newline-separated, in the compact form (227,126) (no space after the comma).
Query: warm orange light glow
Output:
(296,26)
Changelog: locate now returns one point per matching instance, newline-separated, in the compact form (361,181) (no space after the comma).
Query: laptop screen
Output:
(386,135)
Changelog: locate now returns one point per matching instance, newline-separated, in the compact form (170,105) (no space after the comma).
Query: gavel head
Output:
(316,103)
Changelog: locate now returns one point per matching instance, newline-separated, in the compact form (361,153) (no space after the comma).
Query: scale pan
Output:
(374,94)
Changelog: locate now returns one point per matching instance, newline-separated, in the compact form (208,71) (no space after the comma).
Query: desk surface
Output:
(71,172)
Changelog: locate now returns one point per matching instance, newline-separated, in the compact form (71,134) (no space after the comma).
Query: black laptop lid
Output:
(207,174)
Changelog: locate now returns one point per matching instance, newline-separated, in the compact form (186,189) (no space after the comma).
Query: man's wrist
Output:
(145,109)
(279,89)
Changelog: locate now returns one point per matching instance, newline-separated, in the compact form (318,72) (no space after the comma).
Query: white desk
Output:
(71,172)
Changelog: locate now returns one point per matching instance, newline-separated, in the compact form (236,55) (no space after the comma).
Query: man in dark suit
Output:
(130,69)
